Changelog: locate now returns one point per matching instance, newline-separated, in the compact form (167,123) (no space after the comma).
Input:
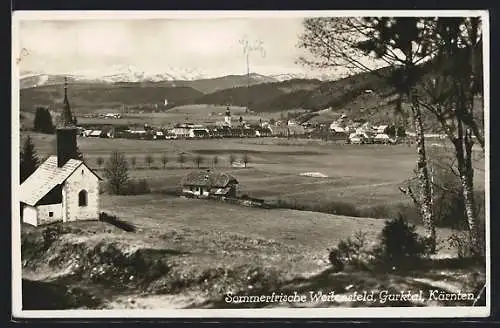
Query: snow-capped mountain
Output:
(292,76)
(131,73)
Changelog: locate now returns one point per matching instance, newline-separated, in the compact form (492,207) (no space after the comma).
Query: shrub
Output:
(399,243)
(353,251)
(461,242)
(51,234)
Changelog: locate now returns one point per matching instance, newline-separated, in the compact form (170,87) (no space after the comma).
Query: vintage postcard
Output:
(326,164)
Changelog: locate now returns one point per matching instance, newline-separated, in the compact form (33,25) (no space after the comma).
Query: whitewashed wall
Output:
(81,179)
(30,215)
(197,191)
(44,213)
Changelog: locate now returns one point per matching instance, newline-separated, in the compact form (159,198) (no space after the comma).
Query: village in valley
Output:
(168,193)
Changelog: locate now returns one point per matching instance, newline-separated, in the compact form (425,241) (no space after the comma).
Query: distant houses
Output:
(302,126)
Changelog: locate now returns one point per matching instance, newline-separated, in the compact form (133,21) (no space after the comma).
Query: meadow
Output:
(359,174)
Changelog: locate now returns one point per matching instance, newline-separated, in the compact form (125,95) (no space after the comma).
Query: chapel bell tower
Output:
(66,132)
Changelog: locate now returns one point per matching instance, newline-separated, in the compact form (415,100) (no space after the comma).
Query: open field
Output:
(358,174)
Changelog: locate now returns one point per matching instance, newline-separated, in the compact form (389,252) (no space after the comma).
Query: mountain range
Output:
(178,77)
(261,93)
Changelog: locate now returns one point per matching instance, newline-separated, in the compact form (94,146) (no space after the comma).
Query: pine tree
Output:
(43,121)
(29,160)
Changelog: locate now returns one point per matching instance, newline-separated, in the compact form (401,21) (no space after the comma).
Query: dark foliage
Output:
(29,160)
(112,219)
(352,251)
(400,243)
(43,121)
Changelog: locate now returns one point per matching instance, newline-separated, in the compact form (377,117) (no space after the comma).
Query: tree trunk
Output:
(423,179)
(463,149)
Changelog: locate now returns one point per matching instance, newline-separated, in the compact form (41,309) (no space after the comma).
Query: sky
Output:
(208,46)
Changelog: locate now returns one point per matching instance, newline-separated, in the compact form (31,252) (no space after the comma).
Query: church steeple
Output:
(66,133)
(66,120)
(227,117)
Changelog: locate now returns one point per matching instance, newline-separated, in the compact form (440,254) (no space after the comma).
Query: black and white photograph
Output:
(174,164)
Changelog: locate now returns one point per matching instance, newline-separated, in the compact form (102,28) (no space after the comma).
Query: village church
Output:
(63,188)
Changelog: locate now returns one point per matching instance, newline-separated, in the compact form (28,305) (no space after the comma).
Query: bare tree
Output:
(198,160)
(181,159)
(401,43)
(232,158)
(449,96)
(149,160)
(133,162)
(116,173)
(245,159)
(99,161)
(164,160)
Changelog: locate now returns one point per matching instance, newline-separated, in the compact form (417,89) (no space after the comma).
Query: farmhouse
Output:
(180,131)
(198,133)
(279,131)
(206,183)
(63,188)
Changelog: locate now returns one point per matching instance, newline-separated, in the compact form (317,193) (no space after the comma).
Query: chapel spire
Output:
(66,120)
(66,133)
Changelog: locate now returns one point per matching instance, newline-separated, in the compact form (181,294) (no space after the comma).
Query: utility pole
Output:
(257,45)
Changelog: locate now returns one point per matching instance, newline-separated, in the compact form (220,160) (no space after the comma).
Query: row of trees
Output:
(181,159)
(116,170)
(435,65)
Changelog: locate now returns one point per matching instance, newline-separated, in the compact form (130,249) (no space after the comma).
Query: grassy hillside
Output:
(189,253)
(225,82)
(266,97)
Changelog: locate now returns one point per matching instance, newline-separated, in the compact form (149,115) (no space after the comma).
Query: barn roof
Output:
(46,177)
(205,179)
